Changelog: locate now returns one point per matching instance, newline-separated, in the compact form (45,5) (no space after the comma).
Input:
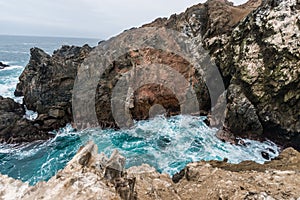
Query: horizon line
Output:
(47,36)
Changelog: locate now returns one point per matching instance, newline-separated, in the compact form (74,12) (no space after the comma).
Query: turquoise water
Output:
(166,144)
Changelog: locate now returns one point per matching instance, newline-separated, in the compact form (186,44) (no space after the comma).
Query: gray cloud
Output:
(84,18)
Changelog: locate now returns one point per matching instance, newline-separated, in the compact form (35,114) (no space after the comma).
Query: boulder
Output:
(14,128)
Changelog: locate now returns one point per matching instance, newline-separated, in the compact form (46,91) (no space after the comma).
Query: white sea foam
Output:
(12,67)
(166,144)
(30,115)
(13,52)
(9,77)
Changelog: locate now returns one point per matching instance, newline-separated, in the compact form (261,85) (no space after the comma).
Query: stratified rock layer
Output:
(94,176)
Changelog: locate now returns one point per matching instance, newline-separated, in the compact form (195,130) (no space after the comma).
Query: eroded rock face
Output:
(265,50)
(14,128)
(255,46)
(90,175)
(47,83)
(145,97)
(241,114)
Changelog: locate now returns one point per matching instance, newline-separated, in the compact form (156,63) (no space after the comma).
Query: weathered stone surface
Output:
(47,83)
(257,45)
(265,52)
(254,45)
(84,177)
(14,128)
(149,95)
(241,116)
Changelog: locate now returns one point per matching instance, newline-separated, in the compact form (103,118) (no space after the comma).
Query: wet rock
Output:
(14,128)
(2,65)
(241,115)
(265,155)
(47,82)
(178,176)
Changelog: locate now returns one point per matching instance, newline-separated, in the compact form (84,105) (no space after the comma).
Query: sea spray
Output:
(167,144)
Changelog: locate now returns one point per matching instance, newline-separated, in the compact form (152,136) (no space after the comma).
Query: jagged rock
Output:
(47,82)
(2,65)
(241,115)
(83,178)
(257,45)
(14,128)
(254,45)
(149,95)
(210,19)
(265,51)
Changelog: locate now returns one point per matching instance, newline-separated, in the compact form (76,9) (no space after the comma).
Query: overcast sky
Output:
(84,18)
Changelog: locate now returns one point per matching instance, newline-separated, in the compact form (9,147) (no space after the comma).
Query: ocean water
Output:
(167,144)
(15,51)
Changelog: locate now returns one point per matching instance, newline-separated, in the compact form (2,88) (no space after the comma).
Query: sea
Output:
(168,144)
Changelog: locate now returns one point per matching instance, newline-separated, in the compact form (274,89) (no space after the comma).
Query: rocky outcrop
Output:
(90,175)
(14,128)
(145,97)
(47,83)
(255,46)
(2,65)
(264,52)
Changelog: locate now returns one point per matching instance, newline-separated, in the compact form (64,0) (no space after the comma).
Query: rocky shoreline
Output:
(262,91)
(90,175)
(256,47)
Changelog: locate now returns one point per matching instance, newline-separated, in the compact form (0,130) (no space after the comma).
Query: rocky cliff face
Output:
(90,175)
(47,83)
(255,46)
(264,52)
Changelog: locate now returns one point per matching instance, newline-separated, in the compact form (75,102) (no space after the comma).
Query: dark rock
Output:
(2,65)
(14,128)
(266,72)
(241,118)
(265,155)
(47,82)
(178,176)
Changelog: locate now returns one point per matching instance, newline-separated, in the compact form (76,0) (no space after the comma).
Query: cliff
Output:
(255,46)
